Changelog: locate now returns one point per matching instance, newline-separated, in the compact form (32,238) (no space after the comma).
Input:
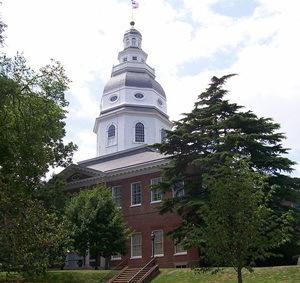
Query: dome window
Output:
(139,96)
(113,98)
(134,42)
(125,59)
(139,132)
(160,102)
(111,133)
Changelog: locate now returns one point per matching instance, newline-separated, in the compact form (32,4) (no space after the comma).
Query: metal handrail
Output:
(151,261)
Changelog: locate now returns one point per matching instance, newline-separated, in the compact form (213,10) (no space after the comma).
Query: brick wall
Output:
(145,218)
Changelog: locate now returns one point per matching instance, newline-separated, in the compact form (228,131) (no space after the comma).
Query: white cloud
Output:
(87,35)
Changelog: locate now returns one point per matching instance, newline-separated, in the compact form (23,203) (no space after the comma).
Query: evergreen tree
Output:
(212,132)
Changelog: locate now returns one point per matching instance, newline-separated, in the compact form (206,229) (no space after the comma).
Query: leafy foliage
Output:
(33,234)
(213,132)
(31,238)
(31,120)
(97,223)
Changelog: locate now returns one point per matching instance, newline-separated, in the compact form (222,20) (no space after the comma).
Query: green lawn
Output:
(67,276)
(282,274)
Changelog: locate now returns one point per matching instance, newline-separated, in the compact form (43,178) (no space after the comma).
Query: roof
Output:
(133,79)
(133,157)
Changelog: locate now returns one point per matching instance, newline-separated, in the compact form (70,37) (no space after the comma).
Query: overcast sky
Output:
(188,41)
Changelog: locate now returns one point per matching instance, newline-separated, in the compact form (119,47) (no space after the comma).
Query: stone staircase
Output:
(137,275)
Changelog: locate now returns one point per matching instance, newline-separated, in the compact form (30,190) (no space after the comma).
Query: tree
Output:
(31,238)
(97,224)
(204,138)
(32,113)
(239,226)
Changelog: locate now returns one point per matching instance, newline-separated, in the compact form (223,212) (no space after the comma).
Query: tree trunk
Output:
(239,275)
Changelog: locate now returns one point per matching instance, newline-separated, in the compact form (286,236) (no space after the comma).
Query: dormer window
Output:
(134,58)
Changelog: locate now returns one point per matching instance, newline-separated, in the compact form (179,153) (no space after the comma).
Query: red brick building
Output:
(134,115)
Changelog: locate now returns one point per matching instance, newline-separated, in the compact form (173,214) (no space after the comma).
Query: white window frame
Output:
(144,133)
(131,195)
(162,243)
(119,205)
(183,252)
(131,246)
(111,141)
(152,192)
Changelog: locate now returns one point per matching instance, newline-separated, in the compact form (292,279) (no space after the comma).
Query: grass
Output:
(65,276)
(280,274)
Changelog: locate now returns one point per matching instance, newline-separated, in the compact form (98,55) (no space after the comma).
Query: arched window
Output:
(111,132)
(139,132)
(111,135)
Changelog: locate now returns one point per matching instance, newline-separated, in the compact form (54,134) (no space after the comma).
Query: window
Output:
(139,95)
(136,245)
(111,133)
(125,59)
(156,193)
(136,196)
(163,135)
(134,42)
(134,58)
(127,42)
(158,243)
(117,195)
(113,98)
(160,102)
(116,256)
(179,249)
(139,132)
(178,190)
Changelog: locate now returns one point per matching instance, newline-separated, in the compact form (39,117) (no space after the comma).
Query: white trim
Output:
(154,202)
(181,253)
(135,205)
(135,257)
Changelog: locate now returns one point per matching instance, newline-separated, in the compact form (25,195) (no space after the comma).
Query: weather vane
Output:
(134,5)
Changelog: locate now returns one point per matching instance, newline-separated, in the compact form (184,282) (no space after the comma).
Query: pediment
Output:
(74,173)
